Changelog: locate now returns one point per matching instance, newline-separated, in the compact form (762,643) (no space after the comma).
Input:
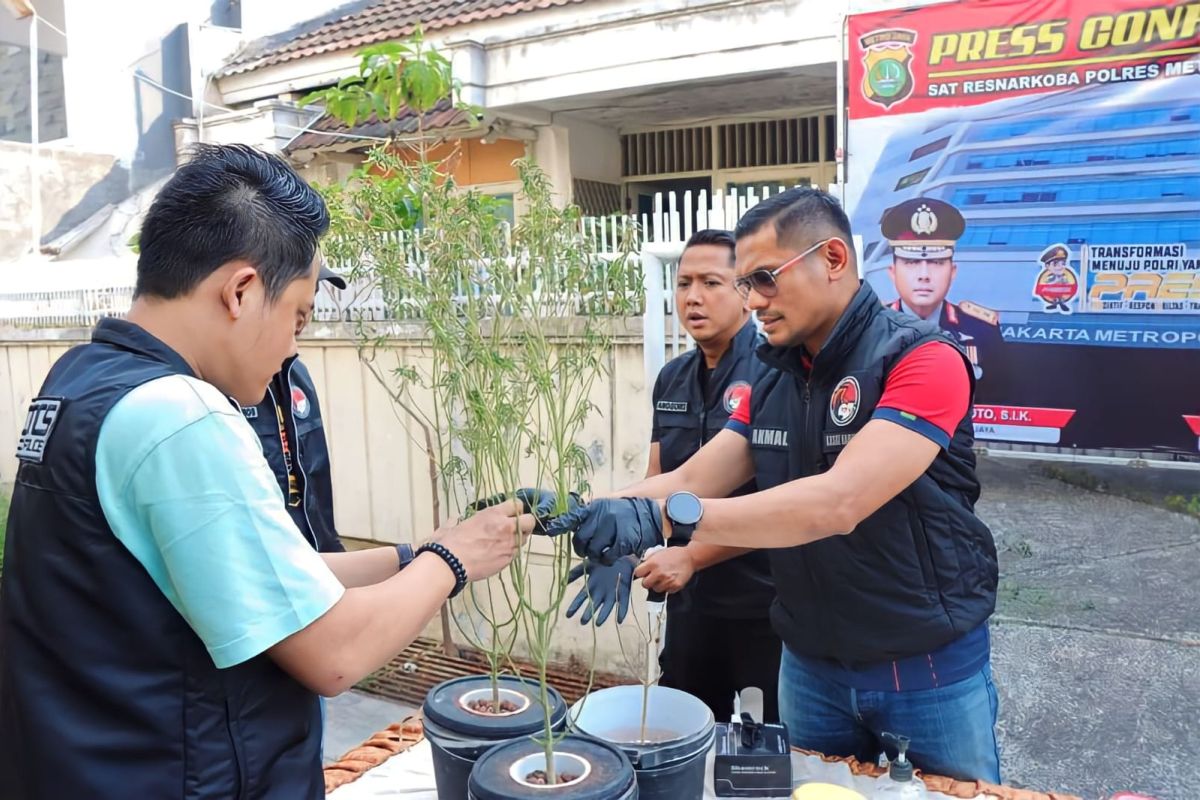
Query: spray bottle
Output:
(899,783)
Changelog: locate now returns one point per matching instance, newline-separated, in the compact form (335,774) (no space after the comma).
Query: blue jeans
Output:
(952,727)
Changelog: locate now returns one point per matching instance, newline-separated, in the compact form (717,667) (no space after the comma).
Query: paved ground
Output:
(1096,641)
(352,717)
(1097,637)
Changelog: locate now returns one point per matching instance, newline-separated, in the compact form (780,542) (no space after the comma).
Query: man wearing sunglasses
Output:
(860,443)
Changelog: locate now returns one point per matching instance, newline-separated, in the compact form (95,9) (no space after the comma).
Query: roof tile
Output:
(366,22)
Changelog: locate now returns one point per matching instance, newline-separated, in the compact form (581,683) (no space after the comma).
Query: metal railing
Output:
(64,308)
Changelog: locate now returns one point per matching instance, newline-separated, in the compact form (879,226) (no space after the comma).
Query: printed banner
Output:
(1027,174)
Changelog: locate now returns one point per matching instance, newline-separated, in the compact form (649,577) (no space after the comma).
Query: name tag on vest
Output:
(39,424)
(835,440)
(769,437)
(674,406)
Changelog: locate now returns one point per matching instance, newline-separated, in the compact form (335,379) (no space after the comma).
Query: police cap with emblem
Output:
(922,229)
(1055,252)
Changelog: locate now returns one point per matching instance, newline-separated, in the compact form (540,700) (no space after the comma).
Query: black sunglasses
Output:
(763,280)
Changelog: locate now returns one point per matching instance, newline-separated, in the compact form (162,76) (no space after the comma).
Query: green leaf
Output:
(309,99)
(423,86)
(381,108)
(393,105)
(384,49)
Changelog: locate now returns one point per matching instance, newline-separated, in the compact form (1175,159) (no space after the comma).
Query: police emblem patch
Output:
(887,59)
(300,404)
(735,393)
(843,405)
(39,424)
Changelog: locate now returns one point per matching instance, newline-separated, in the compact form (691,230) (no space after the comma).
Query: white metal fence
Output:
(658,236)
(63,308)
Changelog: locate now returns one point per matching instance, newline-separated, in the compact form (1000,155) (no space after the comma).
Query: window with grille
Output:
(772,143)
(738,145)
(666,152)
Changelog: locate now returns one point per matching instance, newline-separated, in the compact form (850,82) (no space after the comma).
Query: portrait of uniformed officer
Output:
(922,233)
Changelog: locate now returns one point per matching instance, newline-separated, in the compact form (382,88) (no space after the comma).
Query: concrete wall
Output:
(595,151)
(15,108)
(108,109)
(73,186)
(381,488)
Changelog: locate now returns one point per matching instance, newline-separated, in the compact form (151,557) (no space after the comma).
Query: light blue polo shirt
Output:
(184,486)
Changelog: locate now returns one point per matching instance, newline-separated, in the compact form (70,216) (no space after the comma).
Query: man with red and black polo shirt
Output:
(860,443)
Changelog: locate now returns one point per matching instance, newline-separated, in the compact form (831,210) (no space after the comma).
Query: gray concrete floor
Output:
(1096,637)
(352,717)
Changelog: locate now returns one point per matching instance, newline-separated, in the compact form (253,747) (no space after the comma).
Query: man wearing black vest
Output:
(860,442)
(288,423)
(166,628)
(718,638)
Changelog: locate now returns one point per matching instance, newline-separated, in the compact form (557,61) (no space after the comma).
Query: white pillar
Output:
(552,151)
(35,179)
(654,322)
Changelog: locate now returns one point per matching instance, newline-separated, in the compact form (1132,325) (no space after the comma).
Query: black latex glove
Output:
(607,587)
(539,502)
(612,528)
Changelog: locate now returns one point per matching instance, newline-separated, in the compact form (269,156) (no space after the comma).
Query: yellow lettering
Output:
(1096,33)
(1052,37)
(970,45)
(1105,283)
(1023,41)
(1129,28)
(993,42)
(943,45)
(1191,21)
(1176,286)
(1163,27)
(1139,282)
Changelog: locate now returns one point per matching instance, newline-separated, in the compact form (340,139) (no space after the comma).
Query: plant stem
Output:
(548,713)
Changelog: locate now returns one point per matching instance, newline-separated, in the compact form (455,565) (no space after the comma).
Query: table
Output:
(409,775)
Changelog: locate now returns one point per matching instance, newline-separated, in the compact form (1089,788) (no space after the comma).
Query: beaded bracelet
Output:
(460,572)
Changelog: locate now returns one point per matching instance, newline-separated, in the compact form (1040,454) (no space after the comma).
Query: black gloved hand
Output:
(542,503)
(606,588)
(612,528)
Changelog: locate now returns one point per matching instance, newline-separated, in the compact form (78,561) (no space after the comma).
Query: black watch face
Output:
(684,508)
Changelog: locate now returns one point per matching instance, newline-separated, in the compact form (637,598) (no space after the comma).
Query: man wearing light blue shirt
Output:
(164,622)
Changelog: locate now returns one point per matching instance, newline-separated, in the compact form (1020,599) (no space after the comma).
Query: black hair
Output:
(794,210)
(713,236)
(229,202)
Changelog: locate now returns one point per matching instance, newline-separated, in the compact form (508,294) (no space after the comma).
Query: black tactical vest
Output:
(105,691)
(919,572)
(293,391)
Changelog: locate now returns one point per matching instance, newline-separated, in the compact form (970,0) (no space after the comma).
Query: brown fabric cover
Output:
(381,746)
(400,736)
(949,786)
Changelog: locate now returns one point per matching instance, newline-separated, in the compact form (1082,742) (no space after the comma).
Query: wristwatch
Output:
(684,509)
(404,551)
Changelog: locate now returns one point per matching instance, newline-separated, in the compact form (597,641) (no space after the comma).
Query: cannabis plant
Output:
(517,321)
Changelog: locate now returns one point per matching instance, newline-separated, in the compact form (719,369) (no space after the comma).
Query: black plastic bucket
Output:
(602,771)
(670,764)
(458,736)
